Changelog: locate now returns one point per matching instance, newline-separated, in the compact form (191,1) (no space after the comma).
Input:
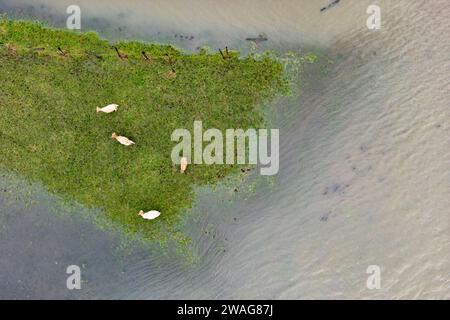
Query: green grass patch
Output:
(51,82)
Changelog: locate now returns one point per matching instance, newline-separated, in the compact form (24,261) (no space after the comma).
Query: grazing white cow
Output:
(122,140)
(153,214)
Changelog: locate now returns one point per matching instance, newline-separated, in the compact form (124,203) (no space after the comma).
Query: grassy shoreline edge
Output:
(45,72)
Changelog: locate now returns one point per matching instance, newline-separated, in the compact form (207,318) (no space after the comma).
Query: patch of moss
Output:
(51,82)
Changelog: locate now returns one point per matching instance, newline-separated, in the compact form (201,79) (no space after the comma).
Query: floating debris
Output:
(183,37)
(335,188)
(324,217)
(332,4)
(261,37)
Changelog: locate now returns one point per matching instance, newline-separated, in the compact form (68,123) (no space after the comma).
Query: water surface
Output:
(364,171)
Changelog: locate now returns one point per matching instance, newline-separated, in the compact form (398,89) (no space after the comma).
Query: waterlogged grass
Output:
(51,82)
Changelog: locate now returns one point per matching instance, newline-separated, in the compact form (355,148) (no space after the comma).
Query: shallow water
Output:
(364,165)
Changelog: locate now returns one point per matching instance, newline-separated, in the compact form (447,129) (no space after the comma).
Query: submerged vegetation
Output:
(52,81)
